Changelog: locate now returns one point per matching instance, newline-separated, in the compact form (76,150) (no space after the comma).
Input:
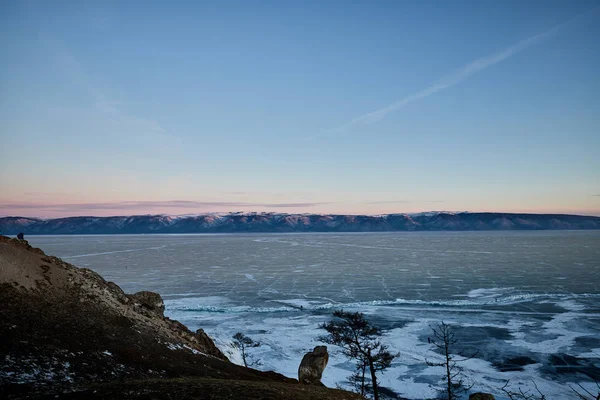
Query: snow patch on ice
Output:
(559,327)
(488,293)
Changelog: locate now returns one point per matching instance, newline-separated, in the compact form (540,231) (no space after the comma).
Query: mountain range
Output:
(277,222)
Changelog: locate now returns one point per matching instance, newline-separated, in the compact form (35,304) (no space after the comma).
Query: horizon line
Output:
(223,213)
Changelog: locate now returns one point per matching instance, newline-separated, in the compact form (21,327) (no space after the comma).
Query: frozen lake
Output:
(529,302)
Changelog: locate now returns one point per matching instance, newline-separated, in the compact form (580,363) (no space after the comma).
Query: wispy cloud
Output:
(44,194)
(458,76)
(102,104)
(294,205)
(234,193)
(148,205)
(402,201)
(388,202)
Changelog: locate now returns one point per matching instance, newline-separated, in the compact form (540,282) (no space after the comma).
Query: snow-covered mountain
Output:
(275,222)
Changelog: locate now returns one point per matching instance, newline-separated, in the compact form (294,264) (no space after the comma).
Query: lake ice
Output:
(529,302)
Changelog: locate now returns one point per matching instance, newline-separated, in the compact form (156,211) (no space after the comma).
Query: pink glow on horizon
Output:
(59,210)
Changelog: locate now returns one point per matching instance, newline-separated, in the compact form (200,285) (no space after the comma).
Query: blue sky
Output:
(111,108)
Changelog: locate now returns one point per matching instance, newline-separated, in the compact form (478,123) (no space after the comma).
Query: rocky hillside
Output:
(273,222)
(66,330)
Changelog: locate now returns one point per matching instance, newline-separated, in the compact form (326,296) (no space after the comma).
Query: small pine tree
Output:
(357,379)
(244,343)
(359,341)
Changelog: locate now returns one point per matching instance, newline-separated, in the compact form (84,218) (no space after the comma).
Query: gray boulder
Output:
(149,300)
(312,366)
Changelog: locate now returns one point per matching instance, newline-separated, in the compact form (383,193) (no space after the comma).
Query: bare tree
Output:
(243,343)
(444,338)
(521,394)
(359,340)
(585,394)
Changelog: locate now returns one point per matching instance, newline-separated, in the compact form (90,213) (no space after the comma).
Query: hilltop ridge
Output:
(277,222)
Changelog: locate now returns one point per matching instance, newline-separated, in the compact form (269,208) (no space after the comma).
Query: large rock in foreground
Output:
(64,328)
(312,366)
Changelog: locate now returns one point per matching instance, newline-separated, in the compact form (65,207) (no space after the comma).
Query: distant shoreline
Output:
(302,233)
(262,223)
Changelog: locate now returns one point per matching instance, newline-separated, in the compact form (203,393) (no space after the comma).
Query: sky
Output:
(349,107)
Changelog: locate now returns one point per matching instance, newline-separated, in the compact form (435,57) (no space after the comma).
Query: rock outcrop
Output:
(22,243)
(66,331)
(481,396)
(150,300)
(312,366)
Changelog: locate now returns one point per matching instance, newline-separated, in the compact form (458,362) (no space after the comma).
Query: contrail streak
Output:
(458,76)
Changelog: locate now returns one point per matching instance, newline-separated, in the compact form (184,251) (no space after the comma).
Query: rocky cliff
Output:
(66,330)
